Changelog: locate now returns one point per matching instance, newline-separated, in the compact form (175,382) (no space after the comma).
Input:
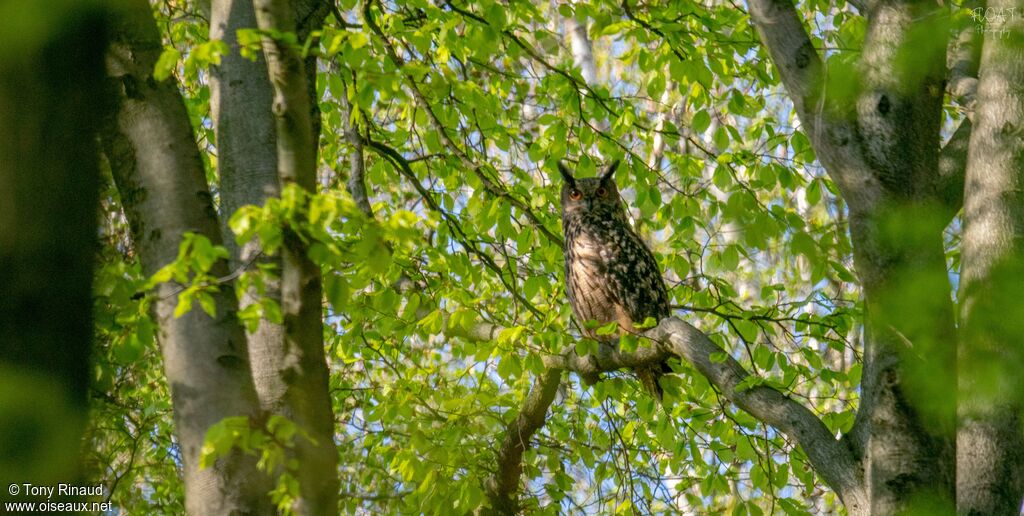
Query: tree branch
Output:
(295,161)
(963,57)
(356,183)
(489,184)
(829,123)
(860,5)
(832,459)
(503,485)
(949,186)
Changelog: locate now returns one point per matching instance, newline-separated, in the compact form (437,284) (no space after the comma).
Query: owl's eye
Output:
(602,191)
(575,194)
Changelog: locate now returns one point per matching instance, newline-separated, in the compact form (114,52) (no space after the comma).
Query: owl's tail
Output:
(650,380)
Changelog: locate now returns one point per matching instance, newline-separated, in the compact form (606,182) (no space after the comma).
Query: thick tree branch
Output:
(860,5)
(295,146)
(829,122)
(949,186)
(607,359)
(503,485)
(962,58)
(832,459)
(240,104)
(356,183)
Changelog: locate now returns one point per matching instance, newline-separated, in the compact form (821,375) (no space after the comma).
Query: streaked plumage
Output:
(610,273)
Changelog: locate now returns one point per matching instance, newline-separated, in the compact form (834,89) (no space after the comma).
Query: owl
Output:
(610,273)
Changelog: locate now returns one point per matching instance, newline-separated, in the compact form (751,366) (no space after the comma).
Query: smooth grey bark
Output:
(49,169)
(880,145)
(582,53)
(990,439)
(583,57)
(162,184)
(240,102)
(664,110)
(356,183)
(302,366)
(289,382)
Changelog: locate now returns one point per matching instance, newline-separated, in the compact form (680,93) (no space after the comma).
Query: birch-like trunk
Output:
(301,365)
(881,148)
(990,442)
(160,177)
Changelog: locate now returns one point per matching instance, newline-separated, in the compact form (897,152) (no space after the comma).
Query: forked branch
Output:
(831,458)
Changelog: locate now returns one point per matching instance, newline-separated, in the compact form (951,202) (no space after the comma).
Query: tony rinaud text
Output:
(55,490)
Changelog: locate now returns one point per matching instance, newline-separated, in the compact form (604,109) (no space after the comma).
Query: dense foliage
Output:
(465,110)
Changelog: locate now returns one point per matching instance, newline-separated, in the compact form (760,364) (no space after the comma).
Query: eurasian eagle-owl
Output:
(610,273)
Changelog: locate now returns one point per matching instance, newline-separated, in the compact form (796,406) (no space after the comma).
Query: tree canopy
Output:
(369,190)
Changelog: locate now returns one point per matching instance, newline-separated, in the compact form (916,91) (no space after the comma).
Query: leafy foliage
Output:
(465,109)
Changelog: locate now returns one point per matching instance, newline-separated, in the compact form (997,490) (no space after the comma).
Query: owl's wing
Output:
(637,281)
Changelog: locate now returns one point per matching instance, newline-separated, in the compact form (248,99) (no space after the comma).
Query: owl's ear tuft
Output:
(566,173)
(610,171)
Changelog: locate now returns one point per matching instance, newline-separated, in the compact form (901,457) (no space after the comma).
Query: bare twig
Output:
(357,166)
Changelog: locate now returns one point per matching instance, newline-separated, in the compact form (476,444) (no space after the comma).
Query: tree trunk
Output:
(990,443)
(303,368)
(881,147)
(160,177)
(908,402)
(48,198)
(240,101)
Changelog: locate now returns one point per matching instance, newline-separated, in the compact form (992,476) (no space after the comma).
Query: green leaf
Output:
(701,121)
(207,303)
(166,63)
(611,328)
(184,302)
(272,311)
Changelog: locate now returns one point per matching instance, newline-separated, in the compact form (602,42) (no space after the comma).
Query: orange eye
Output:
(575,194)
(601,192)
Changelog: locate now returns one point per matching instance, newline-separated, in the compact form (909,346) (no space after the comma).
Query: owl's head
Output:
(593,196)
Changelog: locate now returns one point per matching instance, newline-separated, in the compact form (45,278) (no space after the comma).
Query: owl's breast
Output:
(589,256)
(593,249)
